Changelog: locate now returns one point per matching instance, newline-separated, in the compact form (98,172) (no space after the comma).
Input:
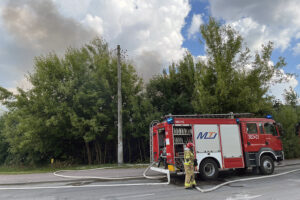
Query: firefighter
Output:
(189,163)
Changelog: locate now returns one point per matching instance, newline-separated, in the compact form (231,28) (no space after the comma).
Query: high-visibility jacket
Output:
(188,157)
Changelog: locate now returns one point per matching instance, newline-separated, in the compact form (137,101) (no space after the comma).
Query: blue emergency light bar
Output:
(170,120)
(269,117)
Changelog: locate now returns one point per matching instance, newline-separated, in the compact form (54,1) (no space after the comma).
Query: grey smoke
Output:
(40,25)
(149,63)
(32,28)
(36,27)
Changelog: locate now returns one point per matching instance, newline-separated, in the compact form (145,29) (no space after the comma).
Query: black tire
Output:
(266,165)
(209,169)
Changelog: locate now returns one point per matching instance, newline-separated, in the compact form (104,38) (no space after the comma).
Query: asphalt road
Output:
(283,187)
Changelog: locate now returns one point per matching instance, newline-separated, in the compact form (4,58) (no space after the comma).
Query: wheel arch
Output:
(263,152)
(216,160)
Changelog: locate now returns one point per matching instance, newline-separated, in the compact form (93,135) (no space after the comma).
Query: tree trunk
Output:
(129,150)
(87,146)
(97,152)
(105,149)
(140,150)
(144,150)
(84,154)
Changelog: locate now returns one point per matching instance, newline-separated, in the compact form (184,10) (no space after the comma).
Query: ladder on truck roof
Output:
(229,115)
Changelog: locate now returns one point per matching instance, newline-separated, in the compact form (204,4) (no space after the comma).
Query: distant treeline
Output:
(70,114)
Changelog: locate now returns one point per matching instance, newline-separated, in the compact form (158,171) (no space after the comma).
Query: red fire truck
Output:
(221,141)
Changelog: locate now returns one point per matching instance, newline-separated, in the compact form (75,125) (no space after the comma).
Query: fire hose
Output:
(168,176)
(99,178)
(138,184)
(242,180)
(57,173)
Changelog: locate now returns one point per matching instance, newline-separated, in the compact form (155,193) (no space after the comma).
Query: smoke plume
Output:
(38,25)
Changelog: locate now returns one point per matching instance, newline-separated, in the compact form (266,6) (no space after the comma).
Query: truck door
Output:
(253,140)
(155,144)
(231,146)
(272,138)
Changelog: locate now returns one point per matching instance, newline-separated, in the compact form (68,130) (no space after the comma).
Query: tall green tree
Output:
(71,111)
(172,91)
(3,142)
(288,117)
(232,79)
(291,97)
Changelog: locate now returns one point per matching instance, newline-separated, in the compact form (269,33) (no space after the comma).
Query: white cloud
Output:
(73,8)
(195,25)
(95,23)
(261,21)
(23,84)
(2,109)
(296,49)
(256,34)
(278,89)
(149,30)
(202,58)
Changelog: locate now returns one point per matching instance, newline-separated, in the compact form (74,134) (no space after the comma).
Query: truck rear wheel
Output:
(209,169)
(266,165)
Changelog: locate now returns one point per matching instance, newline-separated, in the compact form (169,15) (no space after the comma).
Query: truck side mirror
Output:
(280,129)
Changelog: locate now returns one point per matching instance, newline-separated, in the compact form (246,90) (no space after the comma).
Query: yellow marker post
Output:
(52,161)
(171,168)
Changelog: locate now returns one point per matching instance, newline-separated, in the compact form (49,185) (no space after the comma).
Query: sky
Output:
(154,32)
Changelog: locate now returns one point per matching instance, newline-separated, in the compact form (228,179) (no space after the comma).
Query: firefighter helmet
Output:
(189,145)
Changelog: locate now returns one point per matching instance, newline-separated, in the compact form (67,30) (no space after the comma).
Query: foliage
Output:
(70,113)
(172,91)
(231,79)
(291,97)
(289,116)
(3,143)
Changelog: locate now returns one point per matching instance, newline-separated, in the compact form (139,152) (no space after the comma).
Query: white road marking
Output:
(136,196)
(294,180)
(243,197)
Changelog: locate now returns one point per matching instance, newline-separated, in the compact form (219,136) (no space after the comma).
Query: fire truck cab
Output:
(221,141)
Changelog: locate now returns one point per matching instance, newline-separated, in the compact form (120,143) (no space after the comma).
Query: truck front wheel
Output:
(209,169)
(266,165)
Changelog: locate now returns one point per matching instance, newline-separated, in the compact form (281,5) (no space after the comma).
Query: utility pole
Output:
(120,137)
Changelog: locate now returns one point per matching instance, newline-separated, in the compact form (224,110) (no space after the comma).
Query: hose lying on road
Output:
(154,177)
(246,179)
(57,173)
(102,178)
(138,184)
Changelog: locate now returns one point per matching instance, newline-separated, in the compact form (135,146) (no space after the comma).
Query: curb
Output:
(286,165)
(90,179)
